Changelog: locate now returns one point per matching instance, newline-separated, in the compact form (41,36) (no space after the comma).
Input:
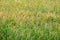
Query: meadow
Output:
(29,19)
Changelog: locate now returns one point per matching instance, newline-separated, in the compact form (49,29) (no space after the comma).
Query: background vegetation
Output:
(29,19)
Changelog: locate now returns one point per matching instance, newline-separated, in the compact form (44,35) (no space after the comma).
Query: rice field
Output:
(29,19)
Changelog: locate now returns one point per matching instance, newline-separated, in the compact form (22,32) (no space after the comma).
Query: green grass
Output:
(29,19)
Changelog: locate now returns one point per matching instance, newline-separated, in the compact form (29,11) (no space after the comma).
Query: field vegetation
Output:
(29,19)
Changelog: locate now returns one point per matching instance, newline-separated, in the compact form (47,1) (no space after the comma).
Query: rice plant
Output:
(29,19)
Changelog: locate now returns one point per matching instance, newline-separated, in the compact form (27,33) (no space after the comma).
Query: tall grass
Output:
(29,19)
